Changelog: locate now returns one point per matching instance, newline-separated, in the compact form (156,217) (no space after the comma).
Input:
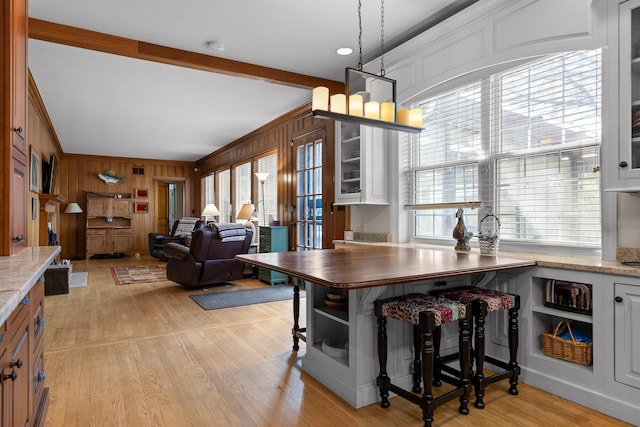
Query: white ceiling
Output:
(104,104)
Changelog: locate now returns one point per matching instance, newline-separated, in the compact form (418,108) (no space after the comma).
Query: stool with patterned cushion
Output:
(483,301)
(426,314)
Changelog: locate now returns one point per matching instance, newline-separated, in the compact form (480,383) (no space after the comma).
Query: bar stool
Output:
(483,301)
(426,313)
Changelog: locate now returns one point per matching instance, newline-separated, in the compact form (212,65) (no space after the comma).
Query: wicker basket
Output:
(570,350)
(488,243)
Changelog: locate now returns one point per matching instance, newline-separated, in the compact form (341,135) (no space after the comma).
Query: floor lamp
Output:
(262,178)
(75,209)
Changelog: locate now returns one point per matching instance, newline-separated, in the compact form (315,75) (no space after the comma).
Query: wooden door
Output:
(162,207)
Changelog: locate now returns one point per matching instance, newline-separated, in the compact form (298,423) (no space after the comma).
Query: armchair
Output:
(210,259)
(181,228)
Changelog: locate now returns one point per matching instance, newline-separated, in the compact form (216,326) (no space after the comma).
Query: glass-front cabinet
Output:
(624,86)
(361,165)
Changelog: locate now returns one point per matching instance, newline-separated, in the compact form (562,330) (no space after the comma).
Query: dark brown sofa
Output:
(181,228)
(209,259)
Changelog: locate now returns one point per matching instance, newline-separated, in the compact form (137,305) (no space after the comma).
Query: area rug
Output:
(128,274)
(216,300)
(78,280)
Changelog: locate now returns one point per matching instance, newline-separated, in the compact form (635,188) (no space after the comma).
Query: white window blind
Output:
(525,142)
(269,200)
(242,185)
(209,189)
(224,195)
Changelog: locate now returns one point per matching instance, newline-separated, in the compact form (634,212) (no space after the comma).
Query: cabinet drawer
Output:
(37,313)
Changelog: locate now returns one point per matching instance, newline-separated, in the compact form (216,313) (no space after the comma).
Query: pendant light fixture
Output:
(370,99)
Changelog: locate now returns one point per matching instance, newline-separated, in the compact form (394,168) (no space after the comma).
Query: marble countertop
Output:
(20,272)
(590,264)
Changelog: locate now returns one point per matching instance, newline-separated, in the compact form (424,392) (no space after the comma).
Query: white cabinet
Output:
(621,160)
(627,334)
(361,165)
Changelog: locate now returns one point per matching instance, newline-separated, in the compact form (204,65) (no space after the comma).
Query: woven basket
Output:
(489,243)
(570,350)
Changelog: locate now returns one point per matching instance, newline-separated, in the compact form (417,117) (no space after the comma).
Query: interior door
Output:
(308,220)
(162,207)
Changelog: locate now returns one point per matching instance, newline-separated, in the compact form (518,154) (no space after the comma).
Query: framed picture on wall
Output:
(35,170)
(140,193)
(141,207)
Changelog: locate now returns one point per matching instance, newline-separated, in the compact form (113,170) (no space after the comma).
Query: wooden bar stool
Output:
(483,301)
(426,313)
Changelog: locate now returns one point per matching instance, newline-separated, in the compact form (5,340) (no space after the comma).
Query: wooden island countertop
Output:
(367,267)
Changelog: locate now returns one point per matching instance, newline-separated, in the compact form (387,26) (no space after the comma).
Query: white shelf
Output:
(562,313)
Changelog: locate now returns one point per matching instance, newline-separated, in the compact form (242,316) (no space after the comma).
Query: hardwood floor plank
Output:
(147,355)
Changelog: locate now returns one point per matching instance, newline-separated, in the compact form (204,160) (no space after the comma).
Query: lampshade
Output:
(246,211)
(73,208)
(262,176)
(210,210)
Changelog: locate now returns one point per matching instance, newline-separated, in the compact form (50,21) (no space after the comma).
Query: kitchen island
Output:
(364,275)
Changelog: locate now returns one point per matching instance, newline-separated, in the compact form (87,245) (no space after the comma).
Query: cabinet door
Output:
(122,207)
(121,240)
(97,206)
(16,378)
(18,76)
(96,242)
(19,191)
(347,164)
(627,334)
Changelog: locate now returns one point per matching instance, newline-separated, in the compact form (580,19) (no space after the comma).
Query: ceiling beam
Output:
(101,42)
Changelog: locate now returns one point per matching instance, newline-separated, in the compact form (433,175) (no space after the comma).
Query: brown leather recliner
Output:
(209,259)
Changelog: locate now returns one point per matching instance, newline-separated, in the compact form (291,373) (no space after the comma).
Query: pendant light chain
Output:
(360,33)
(382,38)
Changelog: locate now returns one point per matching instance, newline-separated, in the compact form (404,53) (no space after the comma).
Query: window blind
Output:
(525,142)
(268,164)
(224,195)
(242,185)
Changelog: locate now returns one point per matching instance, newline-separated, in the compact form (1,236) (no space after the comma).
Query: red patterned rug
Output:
(127,274)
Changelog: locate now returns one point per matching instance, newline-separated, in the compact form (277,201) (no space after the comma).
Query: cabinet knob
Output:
(618,299)
(12,376)
(623,164)
(25,300)
(40,320)
(41,376)
(18,238)
(17,363)
(18,130)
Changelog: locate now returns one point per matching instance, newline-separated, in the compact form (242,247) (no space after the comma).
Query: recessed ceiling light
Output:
(344,51)
(217,46)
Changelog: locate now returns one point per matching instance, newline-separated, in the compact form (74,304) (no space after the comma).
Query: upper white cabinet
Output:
(361,165)
(621,153)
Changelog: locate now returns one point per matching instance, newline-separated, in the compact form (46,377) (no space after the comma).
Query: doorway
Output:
(169,204)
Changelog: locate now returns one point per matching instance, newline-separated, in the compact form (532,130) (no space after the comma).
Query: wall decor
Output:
(35,170)
(141,207)
(140,193)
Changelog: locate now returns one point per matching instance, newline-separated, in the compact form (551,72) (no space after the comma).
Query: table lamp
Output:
(74,208)
(210,211)
(246,212)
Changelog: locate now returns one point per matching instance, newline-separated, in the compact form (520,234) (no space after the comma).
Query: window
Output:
(242,185)
(268,202)
(224,195)
(526,142)
(209,189)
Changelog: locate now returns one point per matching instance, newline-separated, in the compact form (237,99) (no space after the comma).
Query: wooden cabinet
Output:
(361,165)
(108,224)
(273,239)
(24,396)
(13,57)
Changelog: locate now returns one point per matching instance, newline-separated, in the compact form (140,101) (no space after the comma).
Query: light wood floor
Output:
(147,355)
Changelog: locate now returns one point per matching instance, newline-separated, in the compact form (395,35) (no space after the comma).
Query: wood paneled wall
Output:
(42,137)
(279,135)
(79,174)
